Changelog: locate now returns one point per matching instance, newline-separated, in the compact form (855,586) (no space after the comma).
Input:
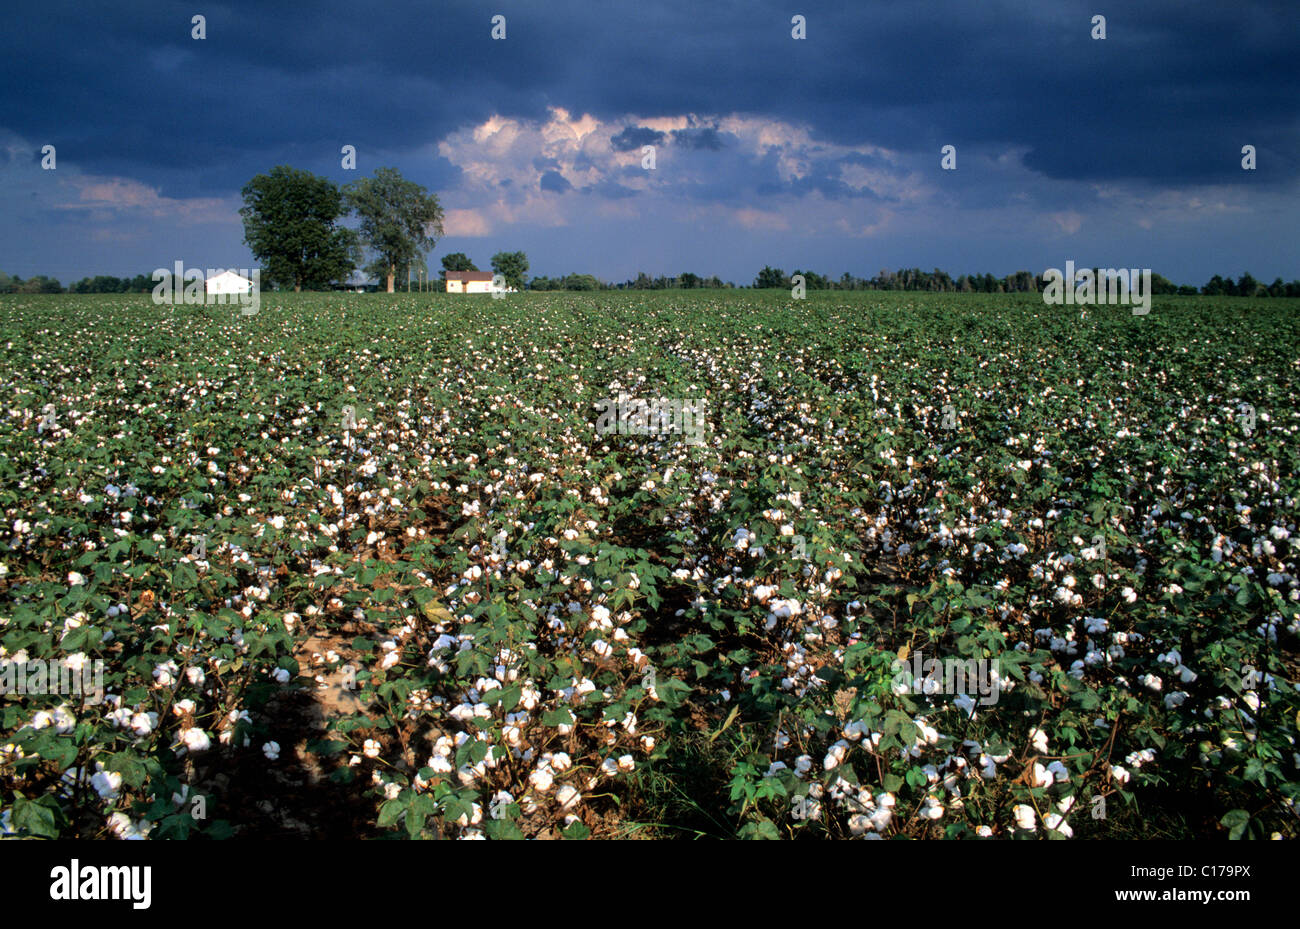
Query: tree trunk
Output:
(392,274)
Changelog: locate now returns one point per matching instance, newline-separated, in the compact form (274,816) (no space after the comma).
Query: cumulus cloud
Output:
(550,171)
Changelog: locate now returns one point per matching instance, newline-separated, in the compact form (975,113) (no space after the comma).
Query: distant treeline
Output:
(1020,282)
(911,279)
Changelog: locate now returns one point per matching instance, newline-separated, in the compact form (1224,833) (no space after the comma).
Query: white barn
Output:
(228,282)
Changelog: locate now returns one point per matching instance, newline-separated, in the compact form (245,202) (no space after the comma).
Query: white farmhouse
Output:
(228,282)
(469,282)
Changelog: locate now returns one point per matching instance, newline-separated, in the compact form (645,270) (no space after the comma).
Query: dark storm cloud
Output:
(1170,90)
(707,139)
(633,137)
(1166,101)
(555,182)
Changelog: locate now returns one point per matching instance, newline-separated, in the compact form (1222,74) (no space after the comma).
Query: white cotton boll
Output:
(1039,739)
(281,676)
(626,763)
(859,824)
(609,767)
(196,740)
(1059,771)
(931,809)
(440,764)
(568,796)
(541,779)
(1129,595)
(1026,819)
(835,756)
(1040,776)
(271,750)
(803,764)
(181,707)
(1120,774)
(1057,823)
(474,817)
(370,748)
(106,784)
(648,743)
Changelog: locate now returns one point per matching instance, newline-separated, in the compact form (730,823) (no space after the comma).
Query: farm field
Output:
(454,609)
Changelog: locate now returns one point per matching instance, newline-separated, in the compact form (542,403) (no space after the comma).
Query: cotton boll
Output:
(835,756)
(859,824)
(196,740)
(1025,818)
(931,809)
(1057,823)
(106,784)
(271,750)
(568,797)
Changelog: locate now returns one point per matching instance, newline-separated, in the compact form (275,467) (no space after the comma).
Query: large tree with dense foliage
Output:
(456,261)
(400,220)
(771,277)
(290,224)
(512,266)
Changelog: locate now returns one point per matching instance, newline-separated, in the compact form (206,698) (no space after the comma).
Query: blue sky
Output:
(821,153)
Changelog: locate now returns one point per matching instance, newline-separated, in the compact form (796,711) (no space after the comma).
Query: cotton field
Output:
(370,564)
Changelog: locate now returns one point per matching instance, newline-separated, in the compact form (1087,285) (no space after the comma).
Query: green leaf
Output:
(185,577)
(1235,821)
(390,813)
(35,817)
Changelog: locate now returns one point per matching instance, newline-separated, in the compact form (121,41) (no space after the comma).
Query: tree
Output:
(400,220)
(290,220)
(1217,287)
(771,277)
(512,266)
(1161,285)
(456,261)
(581,282)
